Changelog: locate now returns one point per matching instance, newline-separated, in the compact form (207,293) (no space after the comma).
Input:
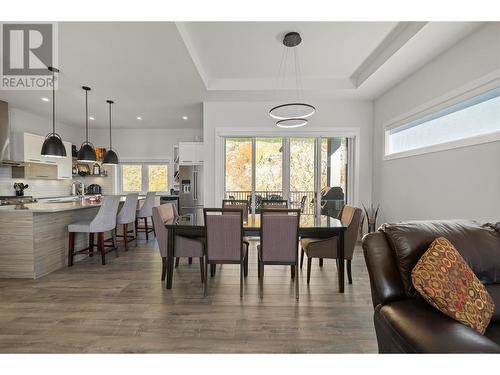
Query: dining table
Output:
(309,227)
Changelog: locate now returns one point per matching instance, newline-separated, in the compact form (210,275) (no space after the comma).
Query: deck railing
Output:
(293,202)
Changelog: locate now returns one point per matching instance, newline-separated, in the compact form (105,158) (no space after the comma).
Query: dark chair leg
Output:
(297,282)
(301,257)
(245,265)
(146,226)
(125,235)
(153,225)
(321,262)
(100,246)
(163,268)
(71,248)
(292,271)
(205,287)
(177,262)
(136,229)
(309,261)
(261,280)
(190,260)
(241,278)
(202,268)
(212,270)
(349,274)
(91,245)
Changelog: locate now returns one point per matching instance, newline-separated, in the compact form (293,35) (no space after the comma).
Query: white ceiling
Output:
(164,71)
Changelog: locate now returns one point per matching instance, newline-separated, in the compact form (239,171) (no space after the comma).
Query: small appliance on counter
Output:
(94,189)
(97,169)
(19,187)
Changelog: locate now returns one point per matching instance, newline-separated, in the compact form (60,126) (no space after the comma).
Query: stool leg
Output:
(190,260)
(146,226)
(136,227)
(153,224)
(308,269)
(321,262)
(100,245)
(91,245)
(125,235)
(292,272)
(176,262)
(71,248)
(115,248)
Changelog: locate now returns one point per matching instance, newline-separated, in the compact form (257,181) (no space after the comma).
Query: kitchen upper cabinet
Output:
(191,153)
(65,165)
(32,146)
(28,147)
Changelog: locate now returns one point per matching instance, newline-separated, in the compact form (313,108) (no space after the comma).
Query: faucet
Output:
(82,187)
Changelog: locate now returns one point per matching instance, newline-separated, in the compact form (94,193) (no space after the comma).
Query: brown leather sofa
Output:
(404,321)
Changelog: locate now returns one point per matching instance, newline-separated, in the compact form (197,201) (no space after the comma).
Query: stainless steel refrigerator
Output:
(191,190)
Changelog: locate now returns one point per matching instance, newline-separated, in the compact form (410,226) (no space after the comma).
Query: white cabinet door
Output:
(187,153)
(200,153)
(32,147)
(65,165)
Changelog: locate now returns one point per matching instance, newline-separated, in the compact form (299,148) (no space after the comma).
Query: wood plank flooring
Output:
(122,307)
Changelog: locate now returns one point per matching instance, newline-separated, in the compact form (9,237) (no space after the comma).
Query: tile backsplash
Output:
(50,188)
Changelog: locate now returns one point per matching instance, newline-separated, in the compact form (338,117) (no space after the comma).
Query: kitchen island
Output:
(34,240)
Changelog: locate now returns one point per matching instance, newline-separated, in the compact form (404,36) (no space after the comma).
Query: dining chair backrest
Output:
(351,218)
(224,234)
(105,220)
(163,214)
(274,203)
(129,209)
(233,203)
(147,208)
(279,235)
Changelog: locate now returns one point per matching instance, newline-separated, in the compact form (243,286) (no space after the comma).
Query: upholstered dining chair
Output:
(183,246)
(233,203)
(104,221)
(327,248)
(279,242)
(126,217)
(145,212)
(224,240)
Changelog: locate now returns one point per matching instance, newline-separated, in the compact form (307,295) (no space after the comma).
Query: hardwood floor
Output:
(122,307)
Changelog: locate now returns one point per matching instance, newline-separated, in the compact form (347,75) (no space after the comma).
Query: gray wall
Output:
(458,183)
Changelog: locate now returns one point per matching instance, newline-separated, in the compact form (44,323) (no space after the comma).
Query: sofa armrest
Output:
(413,326)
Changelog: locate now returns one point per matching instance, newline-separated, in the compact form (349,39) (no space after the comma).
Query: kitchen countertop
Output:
(49,207)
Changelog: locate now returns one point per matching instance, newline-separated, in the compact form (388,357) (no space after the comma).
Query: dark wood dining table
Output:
(310,227)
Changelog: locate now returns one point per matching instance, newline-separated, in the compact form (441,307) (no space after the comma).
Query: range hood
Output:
(5,141)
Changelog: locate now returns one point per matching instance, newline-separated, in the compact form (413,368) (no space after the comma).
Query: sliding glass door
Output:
(309,172)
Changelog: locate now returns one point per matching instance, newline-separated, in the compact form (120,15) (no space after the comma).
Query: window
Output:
(475,117)
(144,177)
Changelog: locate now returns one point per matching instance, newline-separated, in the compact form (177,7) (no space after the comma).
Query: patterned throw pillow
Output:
(443,278)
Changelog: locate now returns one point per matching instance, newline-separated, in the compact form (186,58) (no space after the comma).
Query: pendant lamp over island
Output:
(293,114)
(110,157)
(86,154)
(53,145)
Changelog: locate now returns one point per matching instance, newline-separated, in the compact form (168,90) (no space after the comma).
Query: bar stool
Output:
(145,212)
(104,221)
(127,216)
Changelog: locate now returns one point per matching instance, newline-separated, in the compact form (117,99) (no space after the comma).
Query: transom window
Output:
(144,177)
(476,117)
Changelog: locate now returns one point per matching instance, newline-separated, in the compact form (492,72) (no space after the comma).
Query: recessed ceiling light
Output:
(184,117)
(91,118)
(139,118)
(45,100)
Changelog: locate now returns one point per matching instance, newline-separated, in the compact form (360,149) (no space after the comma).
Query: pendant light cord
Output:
(53,103)
(86,117)
(110,144)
